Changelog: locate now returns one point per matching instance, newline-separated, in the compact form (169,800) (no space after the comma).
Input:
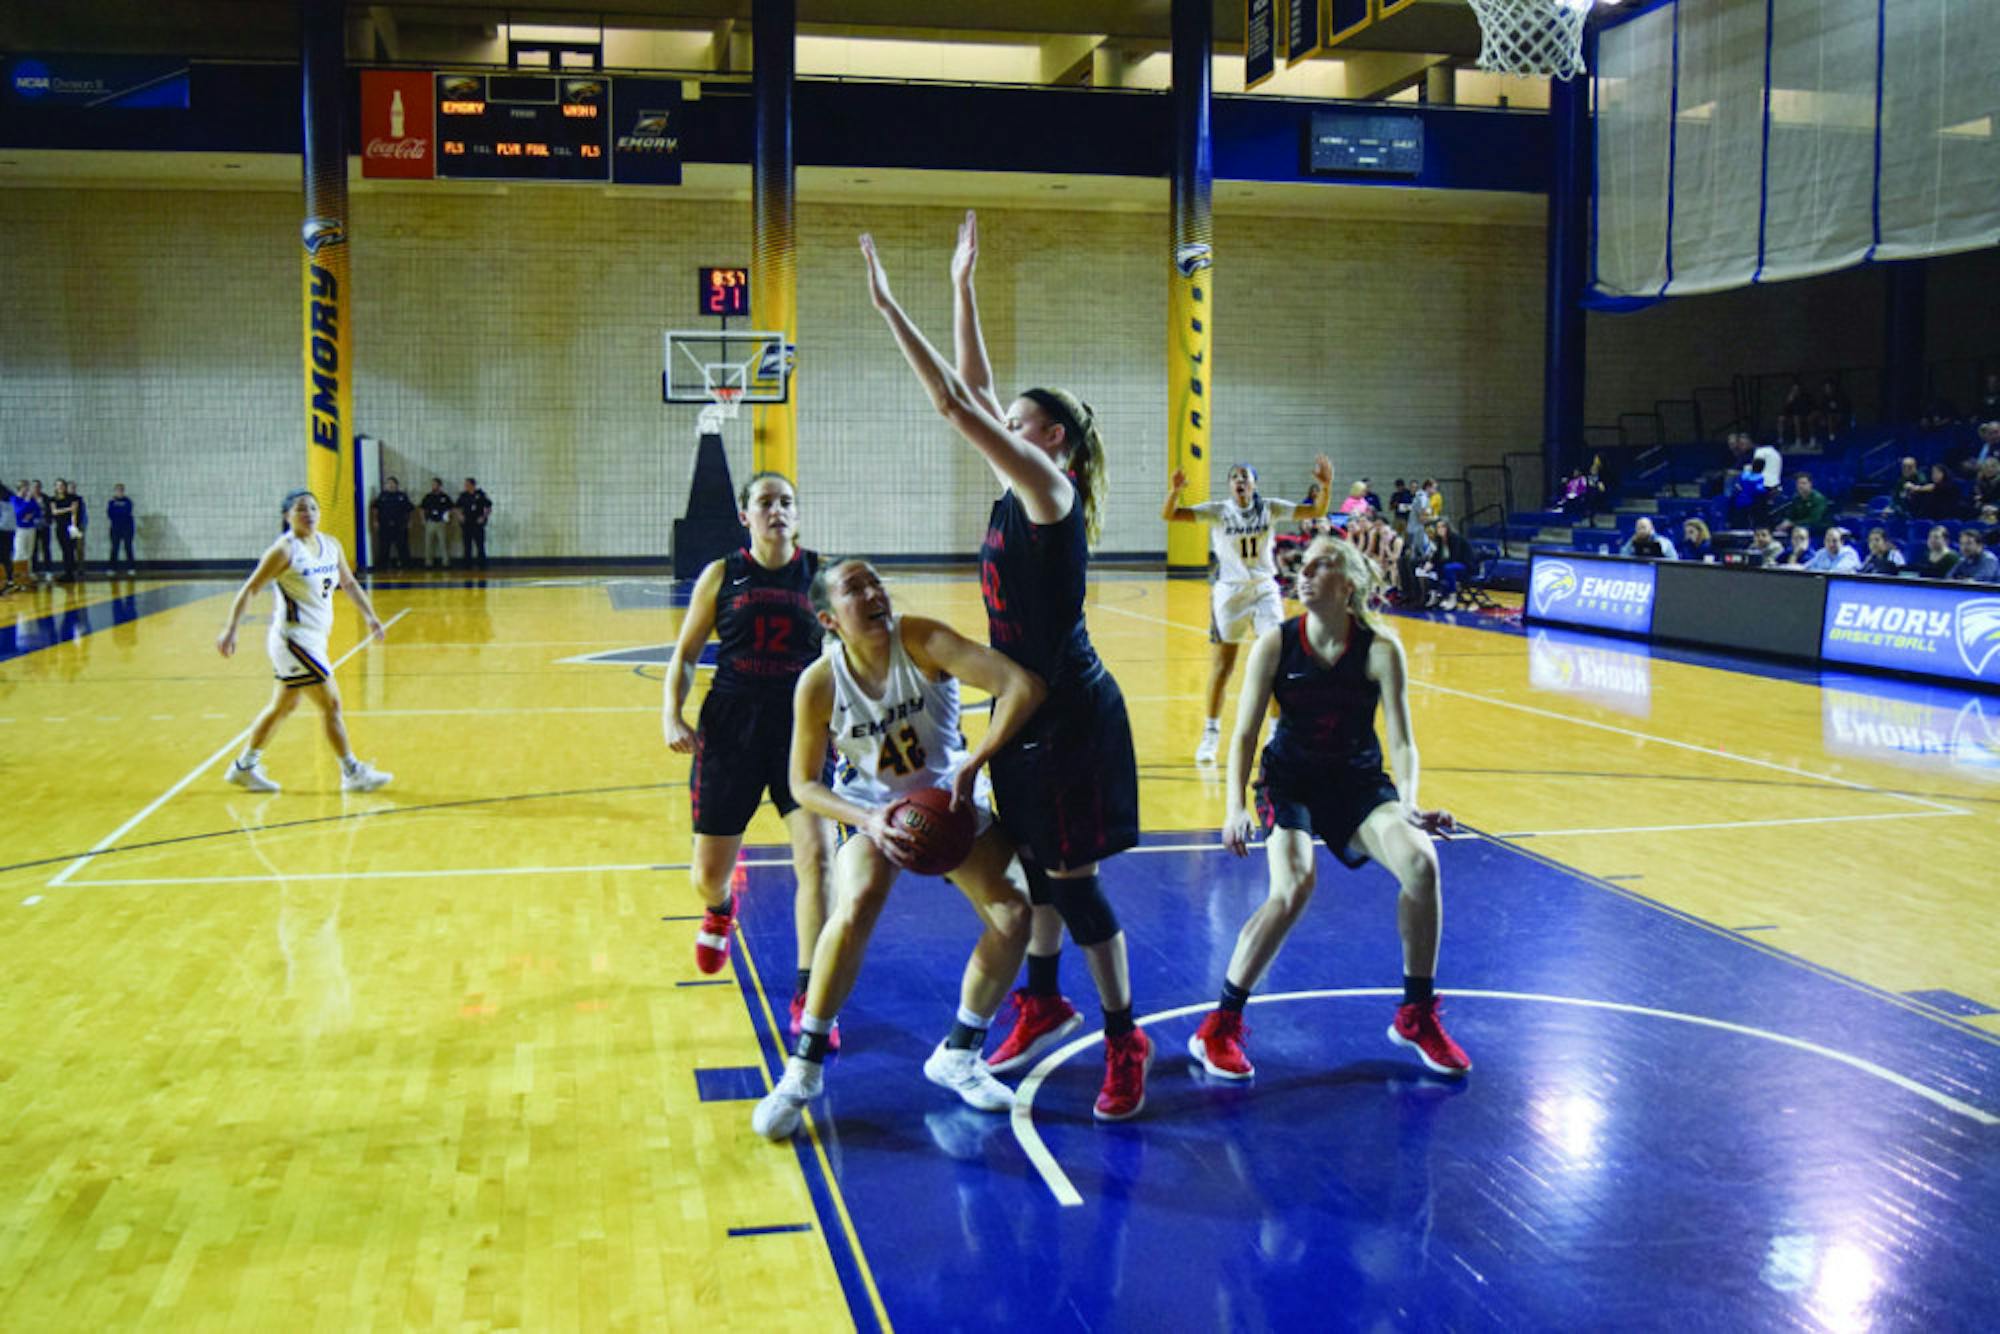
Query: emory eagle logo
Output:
(1193,257)
(322,232)
(1977,626)
(1555,581)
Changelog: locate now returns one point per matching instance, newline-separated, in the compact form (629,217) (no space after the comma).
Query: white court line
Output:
(62,876)
(453,713)
(1065,1190)
(1943,807)
(445,873)
(1731,824)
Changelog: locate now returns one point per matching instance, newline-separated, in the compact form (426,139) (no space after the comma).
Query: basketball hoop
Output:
(724,400)
(1532,37)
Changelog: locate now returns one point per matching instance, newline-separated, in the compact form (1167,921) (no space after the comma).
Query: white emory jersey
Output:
(1241,536)
(905,740)
(303,590)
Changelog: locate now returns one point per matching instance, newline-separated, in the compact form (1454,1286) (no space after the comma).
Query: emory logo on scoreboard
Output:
(398,124)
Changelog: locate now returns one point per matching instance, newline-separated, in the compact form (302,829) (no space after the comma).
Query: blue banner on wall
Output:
(81,82)
(1914,627)
(1599,594)
(646,131)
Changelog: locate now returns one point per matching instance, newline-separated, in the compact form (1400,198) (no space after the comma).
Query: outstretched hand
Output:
(966,256)
(1323,474)
(878,278)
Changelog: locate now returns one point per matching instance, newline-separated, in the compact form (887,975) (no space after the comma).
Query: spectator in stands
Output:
(1938,560)
(1884,556)
(1792,414)
(1450,557)
(1357,499)
(1582,492)
(1975,563)
(1399,502)
(1432,498)
(1807,508)
(1800,553)
(1989,400)
(1986,482)
(1368,490)
(1832,413)
(1756,486)
(1939,498)
(1764,549)
(62,522)
(1989,523)
(1899,490)
(1835,556)
(1697,544)
(1647,544)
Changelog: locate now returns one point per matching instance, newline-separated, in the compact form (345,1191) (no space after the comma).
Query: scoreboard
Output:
(1376,144)
(523,127)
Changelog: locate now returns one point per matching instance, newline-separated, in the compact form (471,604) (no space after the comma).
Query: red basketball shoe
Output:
(1218,1045)
(1039,1023)
(711,943)
(1417,1028)
(798,1026)
(1126,1061)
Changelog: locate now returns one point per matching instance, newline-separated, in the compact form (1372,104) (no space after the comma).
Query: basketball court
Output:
(440,1054)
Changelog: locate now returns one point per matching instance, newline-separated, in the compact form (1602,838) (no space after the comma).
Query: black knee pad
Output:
(1040,891)
(1085,910)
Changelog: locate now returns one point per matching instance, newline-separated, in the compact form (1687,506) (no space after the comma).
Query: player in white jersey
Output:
(1244,601)
(301,568)
(886,690)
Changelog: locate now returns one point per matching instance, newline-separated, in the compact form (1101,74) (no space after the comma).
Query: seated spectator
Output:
(1938,560)
(1764,549)
(1696,542)
(1647,544)
(1963,458)
(1792,414)
(1807,508)
(1989,523)
(1986,482)
(1368,494)
(1884,556)
(1357,499)
(1939,498)
(1582,492)
(1799,554)
(1899,490)
(1832,413)
(1989,400)
(1975,563)
(1835,556)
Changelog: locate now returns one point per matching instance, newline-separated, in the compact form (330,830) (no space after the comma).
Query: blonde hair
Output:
(1699,528)
(1361,579)
(1085,461)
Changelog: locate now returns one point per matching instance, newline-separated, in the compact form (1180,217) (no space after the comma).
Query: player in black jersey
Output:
(1328,669)
(1068,784)
(756,601)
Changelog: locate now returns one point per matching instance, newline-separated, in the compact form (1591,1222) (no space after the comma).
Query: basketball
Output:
(943,836)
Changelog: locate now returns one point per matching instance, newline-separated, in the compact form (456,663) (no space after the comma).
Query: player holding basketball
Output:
(757,602)
(1244,600)
(889,696)
(1322,774)
(302,568)
(1068,786)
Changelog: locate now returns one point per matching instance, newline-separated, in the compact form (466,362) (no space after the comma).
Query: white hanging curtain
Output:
(1744,141)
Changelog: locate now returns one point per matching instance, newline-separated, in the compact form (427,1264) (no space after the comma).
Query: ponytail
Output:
(1085,463)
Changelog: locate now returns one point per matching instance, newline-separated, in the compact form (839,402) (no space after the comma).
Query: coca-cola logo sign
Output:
(407,149)
(398,124)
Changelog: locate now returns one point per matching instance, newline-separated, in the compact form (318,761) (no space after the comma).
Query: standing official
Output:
(438,510)
(118,513)
(474,509)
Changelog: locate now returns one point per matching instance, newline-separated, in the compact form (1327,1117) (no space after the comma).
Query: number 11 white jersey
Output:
(1241,536)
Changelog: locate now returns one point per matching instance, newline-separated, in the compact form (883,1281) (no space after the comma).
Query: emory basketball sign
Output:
(1601,594)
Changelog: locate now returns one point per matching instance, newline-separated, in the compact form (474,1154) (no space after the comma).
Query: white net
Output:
(1532,36)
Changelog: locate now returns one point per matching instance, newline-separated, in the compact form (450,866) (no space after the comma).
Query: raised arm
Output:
(1255,702)
(1323,475)
(1172,511)
(696,626)
(267,570)
(812,714)
(1017,692)
(968,342)
(359,597)
(1045,492)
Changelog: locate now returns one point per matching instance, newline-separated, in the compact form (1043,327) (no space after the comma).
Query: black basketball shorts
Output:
(1068,784)
(1334,808)
(742,749)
